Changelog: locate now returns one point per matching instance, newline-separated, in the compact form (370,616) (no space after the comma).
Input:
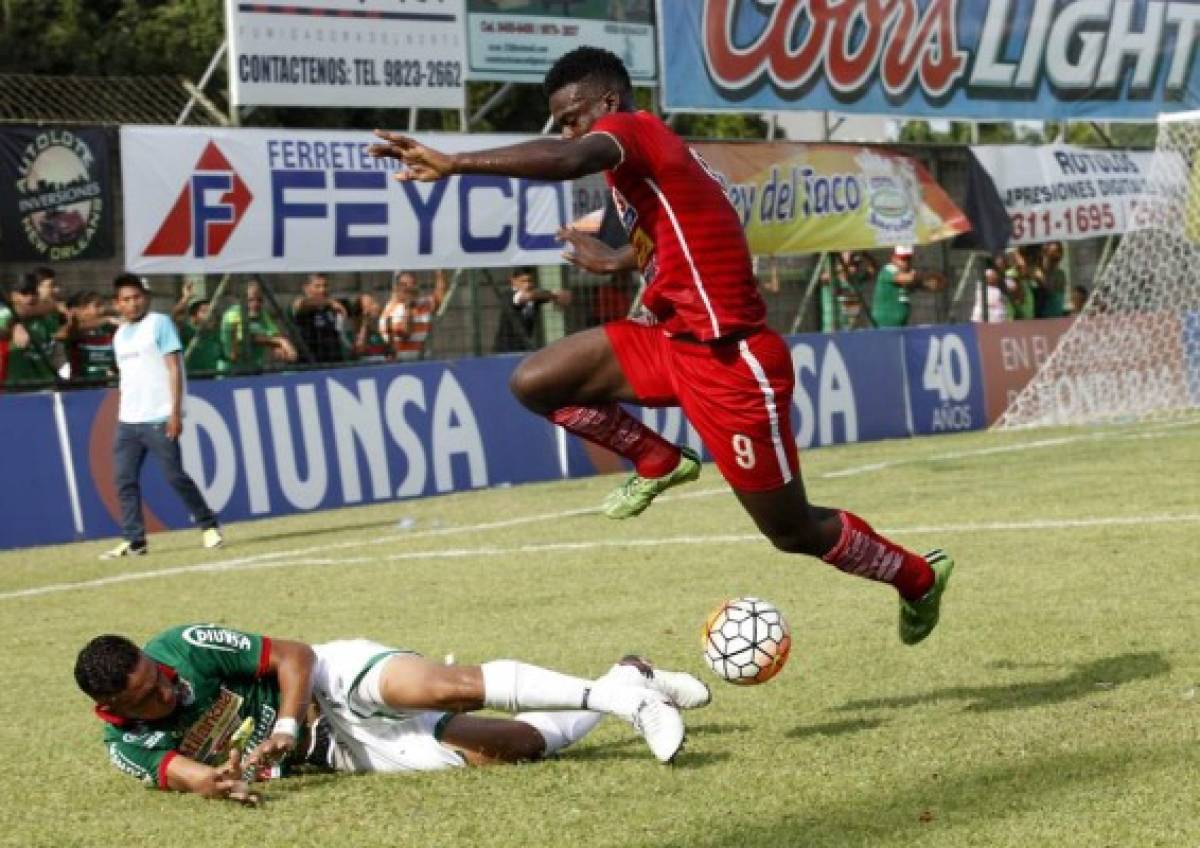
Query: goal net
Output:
(1133,353)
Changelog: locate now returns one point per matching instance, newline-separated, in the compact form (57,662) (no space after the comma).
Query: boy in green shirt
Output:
(890,303)
(265,344)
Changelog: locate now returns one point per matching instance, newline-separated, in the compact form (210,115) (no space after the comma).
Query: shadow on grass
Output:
(976,801)
(241,537)
(1084,680)
(833,728)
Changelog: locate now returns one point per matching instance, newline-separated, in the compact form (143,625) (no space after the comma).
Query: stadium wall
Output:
(275,445)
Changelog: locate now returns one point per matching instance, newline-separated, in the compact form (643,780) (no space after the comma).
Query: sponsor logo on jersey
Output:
(207,740)
(625,210)
(216,638)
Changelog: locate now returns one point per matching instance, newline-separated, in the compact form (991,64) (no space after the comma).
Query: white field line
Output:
(302,558)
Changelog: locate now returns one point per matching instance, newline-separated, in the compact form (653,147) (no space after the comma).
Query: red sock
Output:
(612,427)
(862,551)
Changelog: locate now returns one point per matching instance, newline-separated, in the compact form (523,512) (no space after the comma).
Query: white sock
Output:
(562,728)
(512,686)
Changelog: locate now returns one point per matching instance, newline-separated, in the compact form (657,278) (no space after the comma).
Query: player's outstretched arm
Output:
(291,664)
(593,255)
(225,783)
(543,158)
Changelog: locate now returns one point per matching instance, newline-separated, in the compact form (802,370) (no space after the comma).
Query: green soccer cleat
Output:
(918,618)
(635,494)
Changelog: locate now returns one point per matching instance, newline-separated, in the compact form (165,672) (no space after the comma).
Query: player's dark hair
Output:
(103,666)
(43,273)
(587,63)
(85,298)
(128,281)
(195,305)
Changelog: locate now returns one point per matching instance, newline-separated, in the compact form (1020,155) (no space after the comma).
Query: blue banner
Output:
(972,59)
(945,380)
(282,444)
(260,446)
(34,506)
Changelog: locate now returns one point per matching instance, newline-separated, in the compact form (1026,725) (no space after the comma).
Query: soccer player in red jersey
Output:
(706,348)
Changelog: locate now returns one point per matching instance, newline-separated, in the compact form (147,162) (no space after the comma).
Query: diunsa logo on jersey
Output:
(216,638)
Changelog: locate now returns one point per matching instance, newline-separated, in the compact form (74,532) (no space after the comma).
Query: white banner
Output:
(203,200)
(347,53)
(519,41)
(1062,192)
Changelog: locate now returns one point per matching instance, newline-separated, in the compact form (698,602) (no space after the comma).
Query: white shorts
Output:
(369,735)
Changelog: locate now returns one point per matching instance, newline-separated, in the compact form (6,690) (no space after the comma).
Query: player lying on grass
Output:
(173,710)
(705,345)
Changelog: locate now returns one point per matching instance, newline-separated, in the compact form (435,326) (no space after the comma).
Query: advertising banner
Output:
(34,506)
(201,200)
(1011,353)
(993,60)
(1062,192)
(518,40)
(945,379)
(347,53)
(261,446)
(55,194)
(287,443)
(798,198)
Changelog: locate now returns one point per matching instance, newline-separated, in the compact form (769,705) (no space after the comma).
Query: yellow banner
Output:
(796,198)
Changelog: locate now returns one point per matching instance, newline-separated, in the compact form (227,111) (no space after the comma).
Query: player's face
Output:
(576,107)
(131,303)
(148,694)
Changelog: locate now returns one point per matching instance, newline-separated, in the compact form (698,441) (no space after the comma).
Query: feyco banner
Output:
(981,59)
(347,53)
(1061,192)
(802,198)
(246,200)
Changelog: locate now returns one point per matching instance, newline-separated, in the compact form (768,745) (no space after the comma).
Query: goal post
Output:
(1133,352)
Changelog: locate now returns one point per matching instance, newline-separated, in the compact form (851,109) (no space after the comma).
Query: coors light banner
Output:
(1116,60)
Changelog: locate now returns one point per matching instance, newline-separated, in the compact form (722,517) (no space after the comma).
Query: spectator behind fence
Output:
(407,317)
(8,327)
(31,358)
(265,345)
(150,415)
(842,289)
(1078,299)
(1018,285)
(318,318)
(1051,282)
(88,338)
(518,330)
(370,345)
(893,283)
(997,300)
(202,348)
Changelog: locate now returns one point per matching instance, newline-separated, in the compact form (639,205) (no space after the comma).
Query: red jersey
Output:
(687,237)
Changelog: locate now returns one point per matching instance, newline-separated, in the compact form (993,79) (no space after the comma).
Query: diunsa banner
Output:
(203,200)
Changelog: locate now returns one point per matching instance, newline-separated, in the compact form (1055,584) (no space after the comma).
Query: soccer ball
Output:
(746,641)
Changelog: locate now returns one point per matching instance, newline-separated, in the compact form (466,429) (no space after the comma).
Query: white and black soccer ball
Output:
(746,641)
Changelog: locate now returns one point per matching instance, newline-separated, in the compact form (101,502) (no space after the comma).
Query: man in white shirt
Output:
(150,417)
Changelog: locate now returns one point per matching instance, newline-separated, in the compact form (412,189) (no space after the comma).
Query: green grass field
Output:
(1055,706)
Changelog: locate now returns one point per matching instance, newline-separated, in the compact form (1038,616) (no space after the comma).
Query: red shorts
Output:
(737,394)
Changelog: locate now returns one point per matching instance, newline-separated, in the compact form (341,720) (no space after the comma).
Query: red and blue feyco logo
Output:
(211,205)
